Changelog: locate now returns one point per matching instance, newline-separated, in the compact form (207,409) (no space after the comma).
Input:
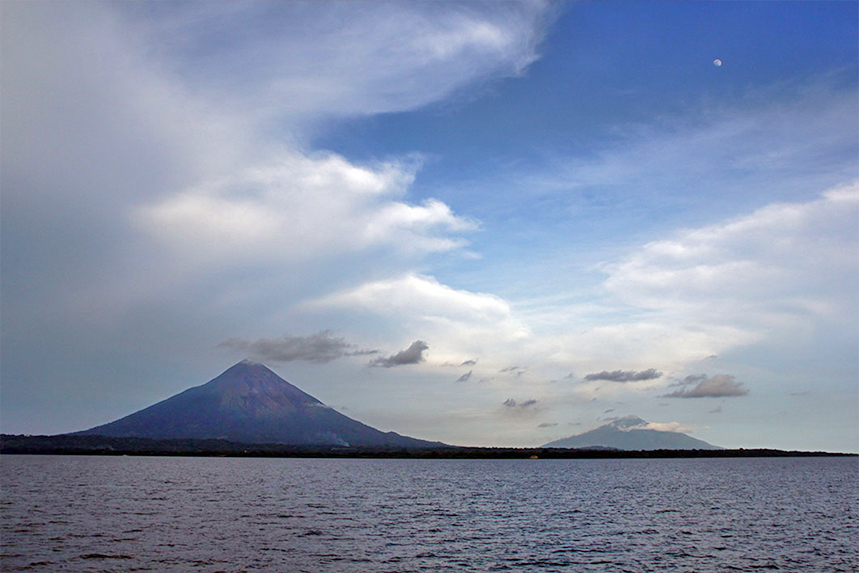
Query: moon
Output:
(717,62)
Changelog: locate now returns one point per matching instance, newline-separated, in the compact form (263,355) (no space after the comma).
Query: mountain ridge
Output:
(631,433)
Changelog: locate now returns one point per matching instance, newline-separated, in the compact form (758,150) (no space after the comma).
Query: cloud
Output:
(782,264)
(414,354)
(319,347)
(718,386)
(716,410)
(465,377)
(511,403)
(516,371)
(547,425)
(338,59)
(295,207)
(690,379)
(804,138)
(458,321)
(419,294)
(625,375)
(666,427)
(471,362)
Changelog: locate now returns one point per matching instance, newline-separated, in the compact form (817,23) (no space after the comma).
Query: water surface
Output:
(79,513)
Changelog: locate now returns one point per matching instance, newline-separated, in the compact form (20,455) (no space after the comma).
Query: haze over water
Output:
(227,514)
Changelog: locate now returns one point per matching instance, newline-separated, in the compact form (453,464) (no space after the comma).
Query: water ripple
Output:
(373,516)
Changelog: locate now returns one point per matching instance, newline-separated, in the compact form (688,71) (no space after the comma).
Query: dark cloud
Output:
(511,403)
(625,375)
(716,410)
(465,377)
(570,376)
(691,379)
(414,354)
(471,362)
(718,386)
(320,347)
(609,411)
(548,425)
(514,370)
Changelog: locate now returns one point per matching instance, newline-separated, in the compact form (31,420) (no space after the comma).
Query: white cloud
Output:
(666,427)
(299,207)
(455,322)
(779,266)
(423,296)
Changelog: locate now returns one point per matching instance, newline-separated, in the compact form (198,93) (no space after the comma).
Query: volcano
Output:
(249,403)
(631,433)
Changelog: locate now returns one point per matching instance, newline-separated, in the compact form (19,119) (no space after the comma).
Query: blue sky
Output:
(485,224)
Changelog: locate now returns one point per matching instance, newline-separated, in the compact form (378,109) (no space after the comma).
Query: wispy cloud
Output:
(327,51)
(320,347)
(718,386)
(414,354)
(516,371)
(625,375)
(465,377)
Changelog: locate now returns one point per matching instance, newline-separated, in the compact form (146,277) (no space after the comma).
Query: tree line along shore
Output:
(101,445)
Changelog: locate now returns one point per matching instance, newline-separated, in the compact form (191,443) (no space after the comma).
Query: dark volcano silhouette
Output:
(630,433)
(251,404)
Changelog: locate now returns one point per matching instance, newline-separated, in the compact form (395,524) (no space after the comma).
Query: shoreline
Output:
(108,446)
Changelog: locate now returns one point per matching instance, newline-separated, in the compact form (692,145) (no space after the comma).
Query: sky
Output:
(489,224)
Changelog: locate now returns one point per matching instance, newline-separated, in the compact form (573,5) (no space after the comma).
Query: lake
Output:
(81,513)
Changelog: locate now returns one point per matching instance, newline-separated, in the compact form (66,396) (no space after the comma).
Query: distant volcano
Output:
(249,403)
(631,433)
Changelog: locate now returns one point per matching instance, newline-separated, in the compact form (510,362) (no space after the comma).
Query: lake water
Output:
(78,513)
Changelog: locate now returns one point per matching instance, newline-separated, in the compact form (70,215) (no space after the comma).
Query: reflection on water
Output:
(227,514)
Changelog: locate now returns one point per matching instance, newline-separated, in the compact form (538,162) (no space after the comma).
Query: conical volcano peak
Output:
(252,380)
(250,403)
(248,365)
